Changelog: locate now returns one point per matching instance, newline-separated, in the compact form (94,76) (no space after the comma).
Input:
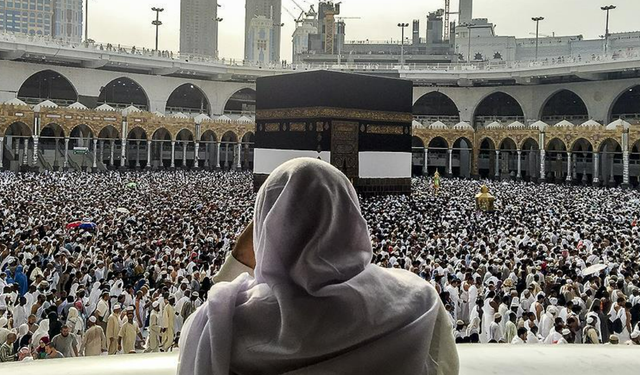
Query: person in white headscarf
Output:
(42,331)
(74,322)
(4,330)
(317,305)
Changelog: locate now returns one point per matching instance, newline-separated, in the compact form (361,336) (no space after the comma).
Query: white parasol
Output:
(596,268)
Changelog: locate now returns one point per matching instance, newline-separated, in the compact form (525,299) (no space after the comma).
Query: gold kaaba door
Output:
(344,147)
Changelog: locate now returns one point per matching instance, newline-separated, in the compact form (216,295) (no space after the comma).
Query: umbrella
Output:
(593,269)
(87,225)
(122,210)
(74,224)
(132,185)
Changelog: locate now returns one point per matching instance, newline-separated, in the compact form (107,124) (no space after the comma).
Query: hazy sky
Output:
(128,22)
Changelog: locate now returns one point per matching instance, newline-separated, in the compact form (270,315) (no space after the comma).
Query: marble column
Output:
(217,155)
(425,167)
(66,153)
(123,153)
(112,146)
(574,166)
(25,154)
(161,148)
(497,171)
(519,174)
(35,150)
(207,155)
(101,151)
(625,170)
(450,171)
(196,155)
(226,156)
(569,174)
(148,166)
(596,168)
(1,153)
(543,172)
(173,154)
(137,154)
(239,166)
(95,155)
(184,154)
(612,180)
(56,151)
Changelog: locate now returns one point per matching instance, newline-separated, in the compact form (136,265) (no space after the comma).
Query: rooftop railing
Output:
(119,49)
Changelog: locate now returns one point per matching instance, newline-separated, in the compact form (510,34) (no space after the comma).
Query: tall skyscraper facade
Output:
(31,17)
(271,10)
(68,19)
(199,27)
(466,11)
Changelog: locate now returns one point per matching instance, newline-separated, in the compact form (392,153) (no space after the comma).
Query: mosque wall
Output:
(89,82)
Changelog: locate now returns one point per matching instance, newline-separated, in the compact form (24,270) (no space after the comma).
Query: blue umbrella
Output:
(87,225)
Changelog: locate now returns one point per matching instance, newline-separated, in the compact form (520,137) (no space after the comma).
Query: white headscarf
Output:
(42,331)
(317,304)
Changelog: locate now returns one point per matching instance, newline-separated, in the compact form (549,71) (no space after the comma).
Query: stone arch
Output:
(555,144)
(209,136)
(123,92)
(48,85)
(457,142)
(498,106)
(436,106)
(530,149)
(17,137)
(243,101)
(161,148)
(184,135)
(564,104)
(81,135)
(462,157)
(529,141)
(486,157)
(417,155)
(208,152)
(228,143)
(555,158)
(581,145)
(248,142)
(137,133)
(109,132)
(610,152)
(51,130)
(626,105)
(508,143)
(438,142)
(162,134)
(188,98)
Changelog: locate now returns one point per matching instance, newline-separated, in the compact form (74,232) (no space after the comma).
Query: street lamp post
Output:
(86,22)
(468,26)
(402,26)
(157,22)
(217,24)
(537,21)
(606,31)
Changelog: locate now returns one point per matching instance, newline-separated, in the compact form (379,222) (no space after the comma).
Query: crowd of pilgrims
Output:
(127,285)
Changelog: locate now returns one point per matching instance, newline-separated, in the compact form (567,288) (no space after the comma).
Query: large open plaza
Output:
(390,191)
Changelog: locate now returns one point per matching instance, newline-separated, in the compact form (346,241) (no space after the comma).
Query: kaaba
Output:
(360,124)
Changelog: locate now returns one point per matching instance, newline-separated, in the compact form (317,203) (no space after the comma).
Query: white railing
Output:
(497,359)
(118,49)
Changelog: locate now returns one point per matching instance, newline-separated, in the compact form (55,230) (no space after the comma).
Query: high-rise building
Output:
(466,11)
(271,10)
(67,19)
(32,17)
(199,27)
